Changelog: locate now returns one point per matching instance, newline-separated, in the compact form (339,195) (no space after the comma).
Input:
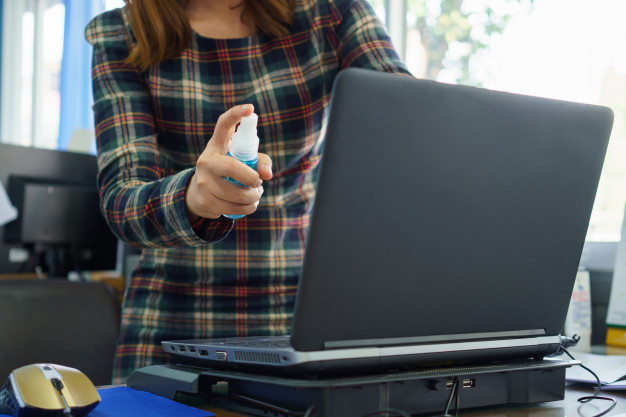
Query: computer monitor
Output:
(59,227)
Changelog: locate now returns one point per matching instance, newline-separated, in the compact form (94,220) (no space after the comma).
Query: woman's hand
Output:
(209,194)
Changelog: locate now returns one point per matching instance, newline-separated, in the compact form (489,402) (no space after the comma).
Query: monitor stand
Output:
(416,392)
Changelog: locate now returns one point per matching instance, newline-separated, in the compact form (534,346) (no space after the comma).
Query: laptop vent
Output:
(258,358)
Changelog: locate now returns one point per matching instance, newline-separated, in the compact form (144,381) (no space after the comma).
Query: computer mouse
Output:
(45,389)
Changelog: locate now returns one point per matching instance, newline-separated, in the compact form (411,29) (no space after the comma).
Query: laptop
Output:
(447,228)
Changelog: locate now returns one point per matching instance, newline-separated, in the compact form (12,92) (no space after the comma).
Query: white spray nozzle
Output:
(247,126)
(245,143)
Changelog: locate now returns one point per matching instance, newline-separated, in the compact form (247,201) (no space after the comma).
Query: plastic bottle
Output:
(578,319)
(245,147)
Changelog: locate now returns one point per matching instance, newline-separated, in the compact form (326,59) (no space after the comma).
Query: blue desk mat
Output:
(124,401)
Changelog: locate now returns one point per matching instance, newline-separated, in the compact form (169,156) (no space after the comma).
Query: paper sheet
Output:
(617,303)
(609,368)
(8,213)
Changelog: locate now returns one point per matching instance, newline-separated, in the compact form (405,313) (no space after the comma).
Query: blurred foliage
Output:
(467,25)
(452,31)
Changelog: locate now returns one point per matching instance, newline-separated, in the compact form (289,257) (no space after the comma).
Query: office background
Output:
(563,49)
(566,49)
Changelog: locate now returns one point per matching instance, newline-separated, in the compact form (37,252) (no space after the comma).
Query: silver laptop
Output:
(448,227)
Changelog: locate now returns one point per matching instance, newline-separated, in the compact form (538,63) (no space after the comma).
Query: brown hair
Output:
(162,31)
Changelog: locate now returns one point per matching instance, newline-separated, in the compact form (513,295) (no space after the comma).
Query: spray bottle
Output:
(245,147)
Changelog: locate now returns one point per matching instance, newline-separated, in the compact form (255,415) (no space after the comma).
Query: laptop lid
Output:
(445,213)
(448,226)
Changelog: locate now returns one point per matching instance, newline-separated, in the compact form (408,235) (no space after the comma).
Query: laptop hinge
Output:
(396,341)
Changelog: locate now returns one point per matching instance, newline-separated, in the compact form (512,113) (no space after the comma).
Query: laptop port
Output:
(465,383)
(192,349)
(182,348)
(221,356)
(469,383)
(203,352)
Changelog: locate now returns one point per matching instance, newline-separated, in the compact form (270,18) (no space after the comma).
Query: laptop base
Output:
(418,392)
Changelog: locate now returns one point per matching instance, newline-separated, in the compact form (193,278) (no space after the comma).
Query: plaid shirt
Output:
(218,278)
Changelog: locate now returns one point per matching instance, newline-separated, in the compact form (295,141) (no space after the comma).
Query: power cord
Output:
(454,391)
(596,395)
(59,387)
(454,395)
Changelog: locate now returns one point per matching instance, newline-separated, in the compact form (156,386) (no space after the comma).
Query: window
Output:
(32,116)
(31,67)
(548,48)
(112,4)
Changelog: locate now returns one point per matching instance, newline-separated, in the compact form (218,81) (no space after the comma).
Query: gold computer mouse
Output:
(45,389)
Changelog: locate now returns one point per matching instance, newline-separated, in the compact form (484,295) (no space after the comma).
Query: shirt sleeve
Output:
(362,39)
(142,205)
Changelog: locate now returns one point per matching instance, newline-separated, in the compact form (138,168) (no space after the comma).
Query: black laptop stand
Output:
(417,392)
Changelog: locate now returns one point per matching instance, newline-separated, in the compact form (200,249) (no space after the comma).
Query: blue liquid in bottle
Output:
(244,147)
(252,164)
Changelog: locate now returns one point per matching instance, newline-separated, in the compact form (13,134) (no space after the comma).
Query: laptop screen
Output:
(445,210)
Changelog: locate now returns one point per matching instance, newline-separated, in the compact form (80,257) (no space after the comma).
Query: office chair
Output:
(74,324)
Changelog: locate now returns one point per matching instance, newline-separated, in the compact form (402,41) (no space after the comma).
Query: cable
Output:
(595,395)
(59,387)
(309,411)
(599,386)
(456,406)
(453,394)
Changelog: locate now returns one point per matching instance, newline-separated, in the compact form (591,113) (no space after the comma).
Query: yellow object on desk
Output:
(616,336)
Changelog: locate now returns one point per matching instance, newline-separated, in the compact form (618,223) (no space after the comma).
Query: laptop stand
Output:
(416,392)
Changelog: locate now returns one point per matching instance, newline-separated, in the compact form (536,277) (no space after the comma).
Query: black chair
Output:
(68,323)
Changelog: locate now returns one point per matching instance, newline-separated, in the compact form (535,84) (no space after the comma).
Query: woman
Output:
(168,76)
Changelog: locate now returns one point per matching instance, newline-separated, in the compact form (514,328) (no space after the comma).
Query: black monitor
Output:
(59,227)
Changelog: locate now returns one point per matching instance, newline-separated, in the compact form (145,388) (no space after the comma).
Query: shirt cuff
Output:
(203,229)
(212,230)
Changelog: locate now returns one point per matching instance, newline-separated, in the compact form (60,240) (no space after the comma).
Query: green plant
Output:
(452,31)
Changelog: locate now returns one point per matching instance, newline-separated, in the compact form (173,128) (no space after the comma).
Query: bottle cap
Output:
(245,143)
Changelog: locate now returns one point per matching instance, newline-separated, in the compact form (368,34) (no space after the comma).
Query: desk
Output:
(111,279)
(568,407)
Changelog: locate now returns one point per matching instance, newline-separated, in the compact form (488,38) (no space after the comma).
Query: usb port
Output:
(203,352)
(181,348)
(466,383)
(192,349)
(469,383)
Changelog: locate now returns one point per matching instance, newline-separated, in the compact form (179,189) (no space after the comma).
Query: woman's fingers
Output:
(225,127)
(211,192)
(264,167)
(228,167)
